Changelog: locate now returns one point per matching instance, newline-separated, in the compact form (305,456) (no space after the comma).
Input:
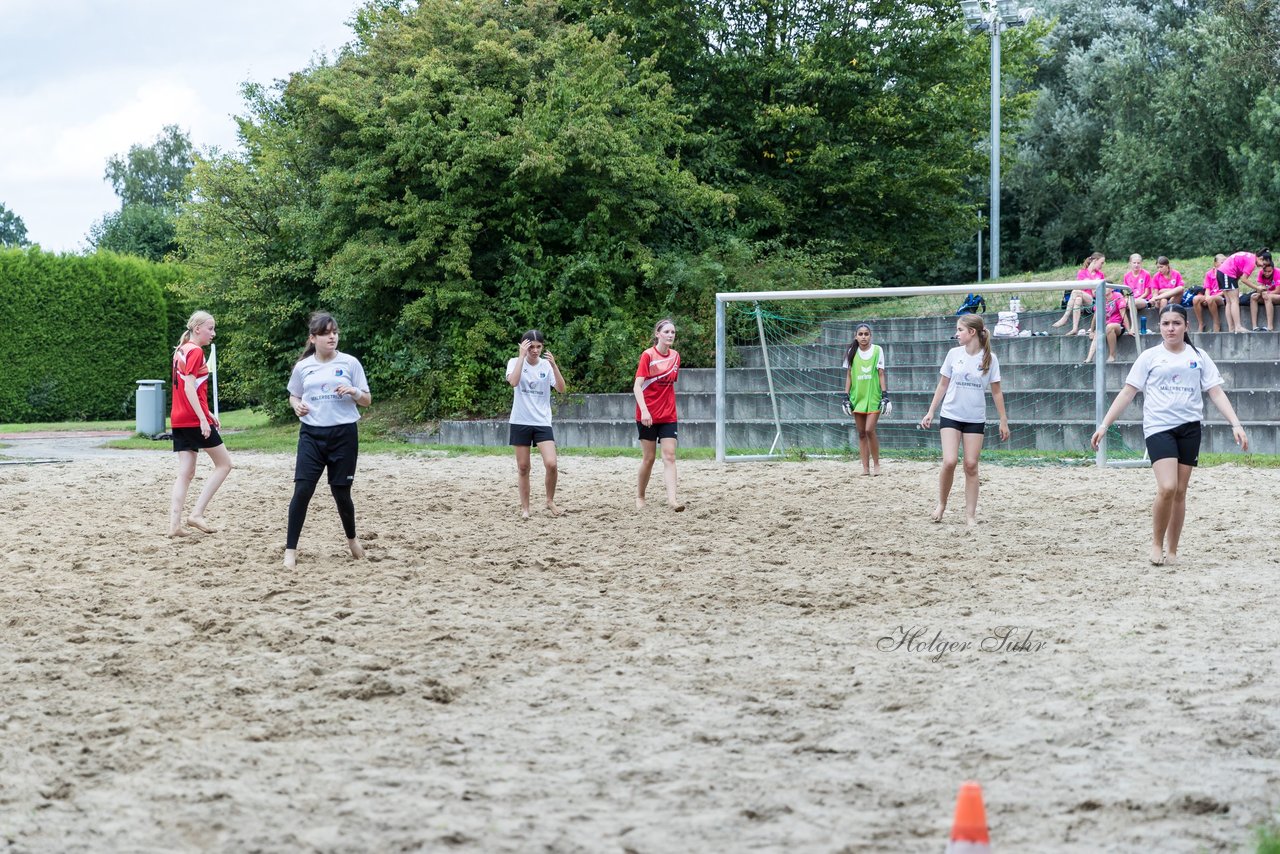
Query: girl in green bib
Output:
(867,390)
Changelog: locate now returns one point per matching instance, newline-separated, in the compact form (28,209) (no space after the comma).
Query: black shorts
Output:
(333,447)
(1181,442)
(979,427)
(189,439)
(524,435)
(657,431)
(1227,283)
(1245,299)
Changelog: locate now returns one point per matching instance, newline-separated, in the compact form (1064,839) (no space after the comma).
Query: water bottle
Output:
(1142,324)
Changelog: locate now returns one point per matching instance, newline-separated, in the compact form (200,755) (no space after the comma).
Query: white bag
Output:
(1006,325)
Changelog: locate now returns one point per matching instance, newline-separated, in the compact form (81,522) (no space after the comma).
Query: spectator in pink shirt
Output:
(1210,296)
(1238,267)
(1116,322)
(1141,286)
(1081,299)
(1266,292)
(1166,284)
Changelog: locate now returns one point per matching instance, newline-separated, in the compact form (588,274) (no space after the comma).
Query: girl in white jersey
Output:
(532,375)
(325,389)
(967,372)
(1173,376)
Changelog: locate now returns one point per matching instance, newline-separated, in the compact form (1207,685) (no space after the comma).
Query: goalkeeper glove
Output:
(846,407)
(886,408)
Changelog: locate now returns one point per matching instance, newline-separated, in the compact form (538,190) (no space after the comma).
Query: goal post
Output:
(779,375)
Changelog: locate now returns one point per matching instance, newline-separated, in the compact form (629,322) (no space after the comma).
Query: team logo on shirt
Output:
(1194,365)
(337,372)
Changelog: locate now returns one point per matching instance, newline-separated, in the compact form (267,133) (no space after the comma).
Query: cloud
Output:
(98,78)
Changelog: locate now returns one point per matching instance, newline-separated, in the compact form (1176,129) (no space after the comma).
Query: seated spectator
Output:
(1116,321)
(1166,284)
(1265,293)
(1080,301)
(1210,296)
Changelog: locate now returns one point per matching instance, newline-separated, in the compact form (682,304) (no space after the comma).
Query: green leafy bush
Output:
(78,332)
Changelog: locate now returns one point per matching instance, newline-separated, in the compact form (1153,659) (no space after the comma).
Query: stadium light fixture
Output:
(994,16)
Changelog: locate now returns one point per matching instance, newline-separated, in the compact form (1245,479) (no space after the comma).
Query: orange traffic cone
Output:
(969,830)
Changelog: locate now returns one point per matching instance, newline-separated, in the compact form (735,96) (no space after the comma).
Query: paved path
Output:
(32,447)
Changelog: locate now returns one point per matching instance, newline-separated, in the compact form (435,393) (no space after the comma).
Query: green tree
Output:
(459,174)
(152,174)
(848,130)
(149,180)
(13,231)
(1150,135)
(144,230)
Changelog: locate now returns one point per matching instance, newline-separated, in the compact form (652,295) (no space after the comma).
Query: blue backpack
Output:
(973,304)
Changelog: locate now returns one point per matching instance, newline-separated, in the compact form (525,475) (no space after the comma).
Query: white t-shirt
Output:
(531,398)
(314,382)
(966,393)
(1172,386)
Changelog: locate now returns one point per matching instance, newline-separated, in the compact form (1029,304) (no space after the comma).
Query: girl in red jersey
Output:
(655,393)
(193,426)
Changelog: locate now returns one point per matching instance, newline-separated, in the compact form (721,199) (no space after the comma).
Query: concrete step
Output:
(1031,404)
(1221,347)
(1260,376)
(839,434)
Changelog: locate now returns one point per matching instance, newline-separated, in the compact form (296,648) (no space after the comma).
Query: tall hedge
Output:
(77,332)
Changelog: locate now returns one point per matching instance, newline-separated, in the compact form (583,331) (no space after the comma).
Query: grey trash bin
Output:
(151,408)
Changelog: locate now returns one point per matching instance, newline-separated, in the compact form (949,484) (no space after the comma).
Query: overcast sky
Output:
(81,80)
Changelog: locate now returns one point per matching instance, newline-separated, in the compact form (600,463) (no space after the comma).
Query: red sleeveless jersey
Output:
(189,363)
(659,388)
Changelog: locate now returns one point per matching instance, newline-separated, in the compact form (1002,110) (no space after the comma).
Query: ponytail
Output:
(975,324)
(194,322)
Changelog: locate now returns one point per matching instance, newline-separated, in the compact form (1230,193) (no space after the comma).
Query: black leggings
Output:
(302,492)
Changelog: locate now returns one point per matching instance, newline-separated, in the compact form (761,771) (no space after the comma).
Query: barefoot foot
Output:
(357,550)
(936,515)
(1171,559)
(971,521)
(179,532)
(290,558)
(553,509)
(676,507)
(875,471)
(1157,556)
(639,502)
(199,523)
(524,513)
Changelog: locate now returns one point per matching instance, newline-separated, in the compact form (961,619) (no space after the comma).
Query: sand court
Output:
(801,661)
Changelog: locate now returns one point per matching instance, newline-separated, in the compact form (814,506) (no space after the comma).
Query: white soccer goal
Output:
(780,375)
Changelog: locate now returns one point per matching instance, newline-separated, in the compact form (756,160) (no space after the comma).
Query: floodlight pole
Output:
(996,16)
(995,146)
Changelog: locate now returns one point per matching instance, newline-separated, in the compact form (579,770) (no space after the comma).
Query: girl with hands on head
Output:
(532,374)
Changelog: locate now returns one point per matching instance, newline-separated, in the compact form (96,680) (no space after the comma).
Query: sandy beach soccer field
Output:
(800,662)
